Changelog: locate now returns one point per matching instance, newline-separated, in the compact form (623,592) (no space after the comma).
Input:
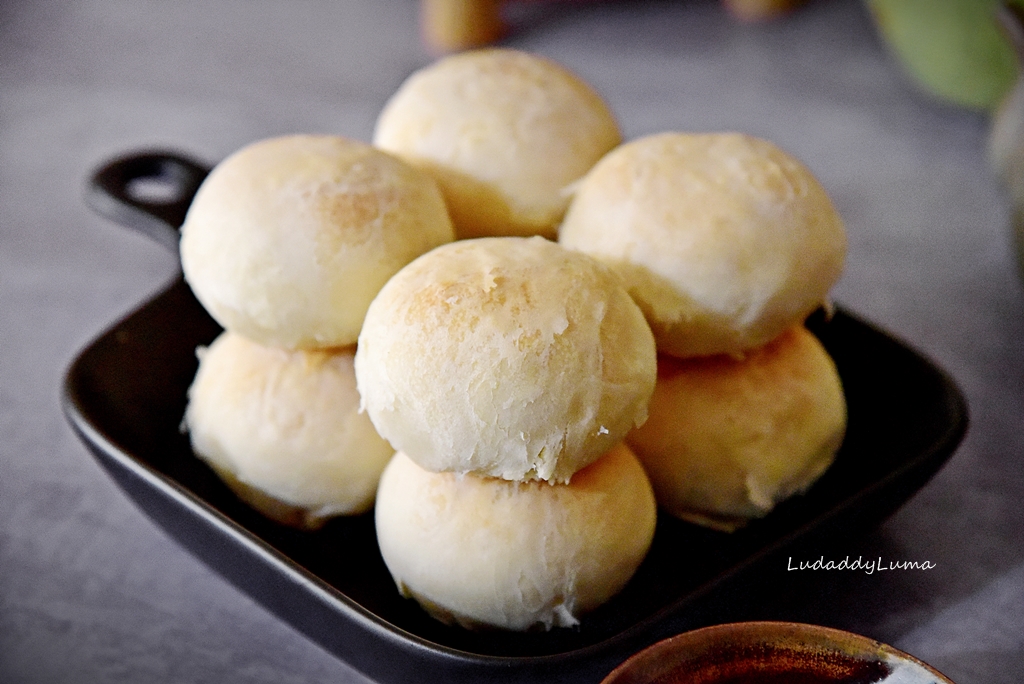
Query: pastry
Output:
(723,239)
(488,553)
(503,132)
(288,239)
(509,357)
(728,438)
(283,430)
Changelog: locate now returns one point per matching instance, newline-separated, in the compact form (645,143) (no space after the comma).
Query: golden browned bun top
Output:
(288,239)
(510,357)
(503,132)
(722,238)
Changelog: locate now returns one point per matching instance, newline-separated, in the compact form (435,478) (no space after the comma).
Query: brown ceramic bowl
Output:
(772,653)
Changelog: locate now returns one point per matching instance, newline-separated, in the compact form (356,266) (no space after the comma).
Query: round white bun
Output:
(503,132)
(727,438)
(288,239)
(284,431)
(510,357)
(722,238)
(489,553)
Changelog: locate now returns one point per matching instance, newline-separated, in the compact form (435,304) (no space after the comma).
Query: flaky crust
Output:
(503,132)
(722,238)
(283,429)
(288,239)
(728,438)
(483,552)
(510,357)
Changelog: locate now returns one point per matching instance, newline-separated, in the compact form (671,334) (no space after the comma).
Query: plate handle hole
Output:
(159,189)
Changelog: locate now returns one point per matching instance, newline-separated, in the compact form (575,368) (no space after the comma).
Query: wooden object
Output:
(453,25)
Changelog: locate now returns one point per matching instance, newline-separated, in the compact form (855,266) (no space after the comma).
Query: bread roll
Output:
(503,132)
(288,239)
(484,552)
(284,431)
(509,357)
(723,239)
(727,439)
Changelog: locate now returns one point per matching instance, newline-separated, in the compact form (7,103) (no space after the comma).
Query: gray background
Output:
(91,591)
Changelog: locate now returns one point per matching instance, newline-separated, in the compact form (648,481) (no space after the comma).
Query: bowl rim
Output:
(694,643)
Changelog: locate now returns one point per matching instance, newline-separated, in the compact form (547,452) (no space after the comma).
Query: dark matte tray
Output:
(125,397)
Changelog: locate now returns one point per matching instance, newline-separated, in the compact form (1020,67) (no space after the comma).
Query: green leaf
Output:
(953,49)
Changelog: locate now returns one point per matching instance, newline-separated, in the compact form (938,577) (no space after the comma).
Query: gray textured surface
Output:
(91,591)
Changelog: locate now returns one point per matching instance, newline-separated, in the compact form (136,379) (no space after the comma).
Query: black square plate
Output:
(125,397)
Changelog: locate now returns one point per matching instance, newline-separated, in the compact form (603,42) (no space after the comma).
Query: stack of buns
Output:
(506,371)
(727,243)
(514,333)
(285,244)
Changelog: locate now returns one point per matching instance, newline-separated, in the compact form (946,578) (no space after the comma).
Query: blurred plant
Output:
(969,53)
(954,50)
(1006,136)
